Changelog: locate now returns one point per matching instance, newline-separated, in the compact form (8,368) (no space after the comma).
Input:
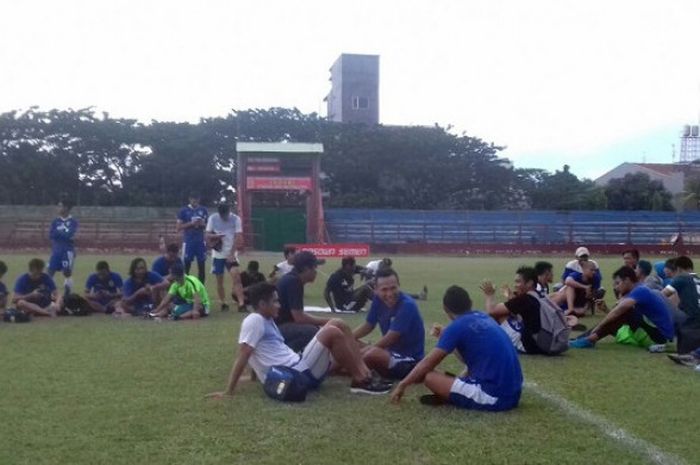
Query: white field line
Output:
(638,445)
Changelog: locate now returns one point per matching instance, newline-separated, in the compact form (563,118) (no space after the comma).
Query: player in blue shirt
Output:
(403,334)
(643,311)
(142,290)
(103,289)
(192,221)
(492,379)
(164,263)
(62,234)
(35,292)
(3,288)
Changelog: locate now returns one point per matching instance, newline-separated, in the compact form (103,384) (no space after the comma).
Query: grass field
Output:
(97,390)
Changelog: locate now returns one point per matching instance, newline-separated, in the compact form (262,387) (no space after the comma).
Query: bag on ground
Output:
(553,336)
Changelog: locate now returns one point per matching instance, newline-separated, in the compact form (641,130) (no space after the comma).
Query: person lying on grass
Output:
(493,381)
(402,344)
(262,346)
(641,317)
(189,293)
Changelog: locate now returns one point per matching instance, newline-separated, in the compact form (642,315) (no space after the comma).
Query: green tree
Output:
(637,191)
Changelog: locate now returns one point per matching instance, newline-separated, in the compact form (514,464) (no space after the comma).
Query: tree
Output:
(561,190)
(637,191)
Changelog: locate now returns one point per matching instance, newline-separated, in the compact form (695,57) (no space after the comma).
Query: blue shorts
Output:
(61,260)
(220,264)
(467,393)
(193,251)
(400,366)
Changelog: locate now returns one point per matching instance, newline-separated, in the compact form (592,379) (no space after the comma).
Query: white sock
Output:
(68,284)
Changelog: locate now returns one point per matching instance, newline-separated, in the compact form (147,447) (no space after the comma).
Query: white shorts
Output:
(514,329)
(316,358)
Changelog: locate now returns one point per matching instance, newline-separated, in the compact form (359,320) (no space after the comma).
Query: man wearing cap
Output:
(297,327)
(574,266)
(189,292)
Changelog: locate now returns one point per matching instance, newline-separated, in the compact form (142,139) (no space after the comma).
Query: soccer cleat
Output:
(657,348)
(424,293)
(581,343)
(432,400)
(370,386)
(224,308)
(242,309)
(688,360)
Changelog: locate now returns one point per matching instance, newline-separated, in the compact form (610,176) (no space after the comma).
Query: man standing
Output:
(191,221)
(493,379)
(297,327)
(402,344)
(340,292)
(62,234)
(224,232)
(643,311)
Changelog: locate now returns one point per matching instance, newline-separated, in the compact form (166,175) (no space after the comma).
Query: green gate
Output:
(275,227)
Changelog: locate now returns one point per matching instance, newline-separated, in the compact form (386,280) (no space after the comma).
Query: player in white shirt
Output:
(223,232)
(261,345)
(285,266)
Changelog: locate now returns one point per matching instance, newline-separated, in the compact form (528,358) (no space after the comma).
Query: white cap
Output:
(581,251)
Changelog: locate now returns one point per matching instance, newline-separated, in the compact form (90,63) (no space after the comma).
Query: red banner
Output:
(264,168)
(278,183)
(335,250)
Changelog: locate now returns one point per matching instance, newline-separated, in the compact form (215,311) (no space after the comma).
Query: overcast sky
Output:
(588,83)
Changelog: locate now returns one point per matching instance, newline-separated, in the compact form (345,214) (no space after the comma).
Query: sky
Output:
(590,84)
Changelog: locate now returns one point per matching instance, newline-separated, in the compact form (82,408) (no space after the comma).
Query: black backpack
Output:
(75,305)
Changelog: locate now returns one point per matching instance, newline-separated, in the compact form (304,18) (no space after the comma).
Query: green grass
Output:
(96,390)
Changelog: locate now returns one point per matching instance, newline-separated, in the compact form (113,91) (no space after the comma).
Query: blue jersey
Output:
(162,266)
(188,214)
(597,276)
(652,306)
(112,285)
(405,319)
(578,277)
(487,352)
(62,233)
(131,286)
(26,285)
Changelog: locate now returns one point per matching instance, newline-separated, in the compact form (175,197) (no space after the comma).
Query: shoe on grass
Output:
(370,386)
(687,360)
(432,400)
(581,343)
(424,293)
(242,309)
(224,308)
(657,348)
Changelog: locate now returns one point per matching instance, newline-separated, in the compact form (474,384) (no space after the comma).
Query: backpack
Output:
(553,336)
(75,305)
(285,384)
(12,315)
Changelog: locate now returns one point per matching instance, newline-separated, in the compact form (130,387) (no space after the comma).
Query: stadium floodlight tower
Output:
(279,193)
(690,144)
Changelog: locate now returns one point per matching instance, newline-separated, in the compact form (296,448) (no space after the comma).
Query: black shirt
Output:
(248,278)
(529,310)
(290,290)
(341,284)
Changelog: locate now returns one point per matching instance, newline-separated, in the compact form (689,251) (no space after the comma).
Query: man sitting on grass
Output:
(189,293)
(35,292)
(640,318)
(683,292)
(493,379)
(262,346)
(142,290)
(164,263)
(402,344)
(582,290)
(545,276)
(340,292)
(3,288)
(103,289)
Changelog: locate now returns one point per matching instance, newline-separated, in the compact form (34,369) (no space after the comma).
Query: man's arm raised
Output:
(244,353)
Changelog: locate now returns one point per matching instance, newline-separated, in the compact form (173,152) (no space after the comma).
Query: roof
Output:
(667,169)
(280,147)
